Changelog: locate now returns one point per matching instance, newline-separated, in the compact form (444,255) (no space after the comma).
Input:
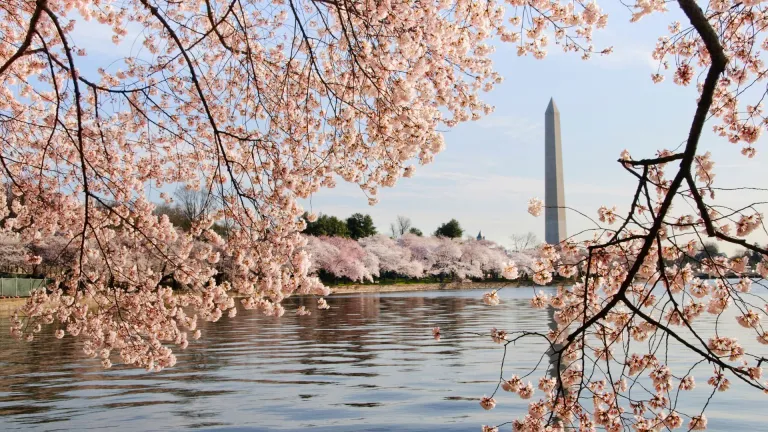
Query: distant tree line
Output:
(360,226)
(356,226)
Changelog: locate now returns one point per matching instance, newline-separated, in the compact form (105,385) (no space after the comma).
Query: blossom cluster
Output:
(738,113)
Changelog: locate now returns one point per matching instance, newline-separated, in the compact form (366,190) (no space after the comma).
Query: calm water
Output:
(367,364)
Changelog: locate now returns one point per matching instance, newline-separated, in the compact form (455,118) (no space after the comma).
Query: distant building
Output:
(480,235)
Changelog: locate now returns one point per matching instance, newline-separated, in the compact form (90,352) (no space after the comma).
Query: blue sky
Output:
(492,167)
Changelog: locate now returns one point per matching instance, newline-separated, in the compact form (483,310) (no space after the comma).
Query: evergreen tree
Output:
(360,226)
(328,226)
(450,229)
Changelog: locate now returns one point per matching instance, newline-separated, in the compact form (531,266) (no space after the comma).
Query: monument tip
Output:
(552,107)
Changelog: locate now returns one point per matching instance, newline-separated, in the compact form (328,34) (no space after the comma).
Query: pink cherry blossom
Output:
(498,336)
(749,320)
(547,384)
(491,298)
(526,391)
(488,403)
(688,383)
(535,206)
(698,423)
(607,215)
(540,300)
(512,385)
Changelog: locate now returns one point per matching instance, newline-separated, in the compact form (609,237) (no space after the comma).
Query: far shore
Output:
(8,305)
(447,286)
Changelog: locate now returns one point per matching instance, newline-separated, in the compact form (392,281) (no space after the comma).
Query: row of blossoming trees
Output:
(361,260)
(412,256)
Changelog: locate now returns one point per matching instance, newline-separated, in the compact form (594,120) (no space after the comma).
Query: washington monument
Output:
(554,195)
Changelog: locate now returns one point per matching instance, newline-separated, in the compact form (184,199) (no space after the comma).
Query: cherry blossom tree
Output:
(648,285)
(12,254)
(420,248)
(446,260)
(485,256)
(351,261)
(391,256)
(257,104)
(321,253)
(468,259)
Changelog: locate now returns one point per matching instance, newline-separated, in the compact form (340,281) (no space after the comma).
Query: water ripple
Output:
(367,364)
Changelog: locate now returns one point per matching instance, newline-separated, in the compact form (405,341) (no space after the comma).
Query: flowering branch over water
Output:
(257,104)
(640,292)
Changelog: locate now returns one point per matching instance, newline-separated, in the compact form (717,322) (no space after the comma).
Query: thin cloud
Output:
(521,129)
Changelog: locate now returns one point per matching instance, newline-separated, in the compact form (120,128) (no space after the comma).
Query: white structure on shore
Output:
(554,195)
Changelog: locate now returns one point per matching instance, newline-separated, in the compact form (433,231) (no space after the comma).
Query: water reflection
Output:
(369,363)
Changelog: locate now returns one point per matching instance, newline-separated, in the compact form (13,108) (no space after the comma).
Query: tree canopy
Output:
(327,226)
(755,257)
(450,229)
(359,226)
(356,226)
(709,250)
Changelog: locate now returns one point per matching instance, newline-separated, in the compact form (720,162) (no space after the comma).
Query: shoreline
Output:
(447,286)
(8,305)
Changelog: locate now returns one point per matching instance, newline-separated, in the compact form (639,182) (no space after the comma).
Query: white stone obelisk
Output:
(554,194)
